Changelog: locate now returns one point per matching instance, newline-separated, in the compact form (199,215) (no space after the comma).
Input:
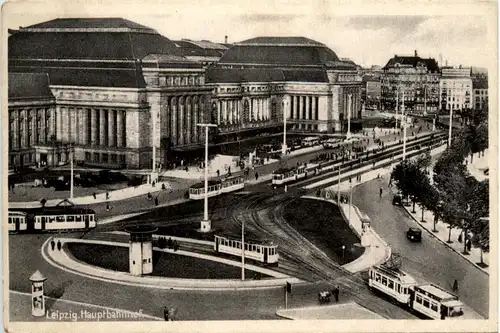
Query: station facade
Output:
(100,100)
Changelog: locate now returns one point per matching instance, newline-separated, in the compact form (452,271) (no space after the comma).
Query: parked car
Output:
(414,234)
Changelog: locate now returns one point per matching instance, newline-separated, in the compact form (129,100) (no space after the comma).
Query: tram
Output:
(289,175)
(216,187)
(428,300)
(265,252)
(17,221)
(58,218)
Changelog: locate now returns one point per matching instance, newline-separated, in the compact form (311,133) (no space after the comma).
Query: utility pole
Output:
(397,107)
(243,251)
(284,147)
(72,172)
(451,121)
(205,223)
(403,115)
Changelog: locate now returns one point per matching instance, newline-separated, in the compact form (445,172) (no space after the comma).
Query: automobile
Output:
(397,200)
(414,234)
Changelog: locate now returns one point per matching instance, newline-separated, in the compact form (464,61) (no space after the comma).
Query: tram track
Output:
(265,215)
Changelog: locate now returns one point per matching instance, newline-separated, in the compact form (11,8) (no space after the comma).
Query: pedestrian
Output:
(52,245)
(460,239)
(336,293)
(107,207)
(380,191)
(169,243)
(149,196)
(469,245)
(455,286)
(286,188)
(165,313)
(107,194)
(95,195)
(256,176)
(59,245)
(156,201)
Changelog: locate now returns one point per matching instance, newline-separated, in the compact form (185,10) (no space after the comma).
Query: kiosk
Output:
(141,249)
(37,296)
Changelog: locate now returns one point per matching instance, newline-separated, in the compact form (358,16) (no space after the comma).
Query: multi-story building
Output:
(371,91)
(257,80)
(126,88)
(417,78)
(455,87)
(480,92)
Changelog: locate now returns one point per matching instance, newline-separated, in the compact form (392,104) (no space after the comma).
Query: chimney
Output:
(225,39)
(416,55)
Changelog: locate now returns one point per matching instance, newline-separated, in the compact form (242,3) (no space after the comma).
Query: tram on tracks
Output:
(217,187)
(428,300)
(289,175)
(261,251)
(47,219)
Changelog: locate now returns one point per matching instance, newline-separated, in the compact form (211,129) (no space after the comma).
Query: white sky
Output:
(368,34)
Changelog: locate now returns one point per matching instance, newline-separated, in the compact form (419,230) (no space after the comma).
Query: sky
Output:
(369,35)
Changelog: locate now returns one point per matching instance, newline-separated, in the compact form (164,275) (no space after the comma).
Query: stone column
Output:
(102,127)
(93,127)
(85,125)
(119,128)
(111,128)
(195,119)
(188,120)
(173,120)
(181,121)
(313,108)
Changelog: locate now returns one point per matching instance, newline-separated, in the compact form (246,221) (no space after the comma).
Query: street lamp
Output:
(403,115)
(154,115)
(349,105)
(284,147)
(350,199)
(449,131)
(71,183)
(205,223)
(343,252)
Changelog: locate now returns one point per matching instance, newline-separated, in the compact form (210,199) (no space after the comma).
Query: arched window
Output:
(246,111)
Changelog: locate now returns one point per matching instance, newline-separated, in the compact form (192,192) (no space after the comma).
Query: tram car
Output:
(288,175)
(17,221)
(428,300)
(261,251)
(51,219)
(216,187)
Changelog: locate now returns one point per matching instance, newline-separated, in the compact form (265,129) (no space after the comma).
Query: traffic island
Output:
(165,264)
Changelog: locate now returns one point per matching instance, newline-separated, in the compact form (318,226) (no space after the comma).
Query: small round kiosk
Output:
(141,249)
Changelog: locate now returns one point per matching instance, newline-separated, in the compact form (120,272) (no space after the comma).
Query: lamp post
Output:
(343,252)
(154,115)
(403,117)
(71,182)
(449,131)
(242,250)
(205,223)
(350,200)
(397,107)
(349,105)
(338,188)
(284,147)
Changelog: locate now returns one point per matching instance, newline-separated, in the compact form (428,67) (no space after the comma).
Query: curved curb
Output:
(444,242)
(388,250)
(176,284)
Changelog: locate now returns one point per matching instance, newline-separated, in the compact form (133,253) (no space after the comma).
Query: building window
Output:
(105,158)
(87,156)
(95,157)
(310,107)
(113,158)
(316,111)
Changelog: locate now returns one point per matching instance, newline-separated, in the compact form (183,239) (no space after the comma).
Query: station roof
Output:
(286,51)
(203,48)
(29,86)
(239,75)
(104,52)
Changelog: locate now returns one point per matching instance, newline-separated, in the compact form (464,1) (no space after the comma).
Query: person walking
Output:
(256,176)
(336,293)
(59,246)
(156,201)
(455,286)
(380,192)
(53,245)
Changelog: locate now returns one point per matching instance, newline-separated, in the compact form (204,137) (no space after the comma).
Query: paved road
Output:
(430,260)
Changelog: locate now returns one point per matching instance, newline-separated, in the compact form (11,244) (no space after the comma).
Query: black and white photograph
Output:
(280,165)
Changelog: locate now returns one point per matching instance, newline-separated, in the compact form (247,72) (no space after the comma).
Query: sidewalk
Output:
(61,310)
(479,165)
(350,310)
(443,233)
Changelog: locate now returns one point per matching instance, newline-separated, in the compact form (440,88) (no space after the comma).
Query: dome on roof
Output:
(279,51)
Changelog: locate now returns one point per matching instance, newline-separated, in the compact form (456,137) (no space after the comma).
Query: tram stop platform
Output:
(343,311)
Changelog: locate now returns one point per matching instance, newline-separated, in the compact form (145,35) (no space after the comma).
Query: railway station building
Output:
(102,82)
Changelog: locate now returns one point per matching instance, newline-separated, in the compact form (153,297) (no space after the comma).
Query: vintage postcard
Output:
(257,166)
